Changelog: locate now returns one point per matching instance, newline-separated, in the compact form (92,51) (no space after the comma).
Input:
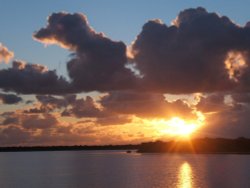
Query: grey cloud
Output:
(37,122)
(49,103)
(38,110)
(241,97)
(88,108)
(29,101)
(6,114)
(14,135)
(231,122)
(223,119)
(10,120)
(32,79)
(212,103)
(114,120)
(9,98)
(84,108)
(58,102)
(68,105)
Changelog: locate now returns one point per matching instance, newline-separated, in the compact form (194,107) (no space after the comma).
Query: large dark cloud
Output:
(98,63)
(186,57)
(190,55)
(9,98)
(32,79)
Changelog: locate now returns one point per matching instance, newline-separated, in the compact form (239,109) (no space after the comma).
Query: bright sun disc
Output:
(177,126)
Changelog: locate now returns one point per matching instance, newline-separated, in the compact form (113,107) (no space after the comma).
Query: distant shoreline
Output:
(199,153)
(199,146)
(195,146)
(67,148)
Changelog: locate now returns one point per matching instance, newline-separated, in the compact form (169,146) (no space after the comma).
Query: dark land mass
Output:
(199,146)
(67,148)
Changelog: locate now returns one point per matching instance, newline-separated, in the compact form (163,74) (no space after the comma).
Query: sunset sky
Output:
(109,72)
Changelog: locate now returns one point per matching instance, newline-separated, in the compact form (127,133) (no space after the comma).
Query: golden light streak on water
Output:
(185,176)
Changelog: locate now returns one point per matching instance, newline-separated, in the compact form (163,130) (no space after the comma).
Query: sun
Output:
(177,126)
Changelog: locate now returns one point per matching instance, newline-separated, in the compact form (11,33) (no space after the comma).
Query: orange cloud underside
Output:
(140,130)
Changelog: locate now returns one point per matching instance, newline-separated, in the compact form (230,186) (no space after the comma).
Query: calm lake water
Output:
(117,169)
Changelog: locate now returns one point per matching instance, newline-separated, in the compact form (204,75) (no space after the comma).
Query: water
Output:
(116,169)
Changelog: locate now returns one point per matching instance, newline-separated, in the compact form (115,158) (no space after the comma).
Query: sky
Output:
(118,72)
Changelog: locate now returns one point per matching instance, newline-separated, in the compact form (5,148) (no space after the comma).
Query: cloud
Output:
(38,110)
(200,52)
(5,54)
(14,135)
(30,121)
(212,103)
(225,119)
(114,120)
(147,105)
(70,106)
(84,108)
(49,103)
(48,129)
(58,102)
(10,120)
(32,79)
(39,122)
(9,98)
(229,122)
(189,56)
(241,97)
(179,59)
(98,63)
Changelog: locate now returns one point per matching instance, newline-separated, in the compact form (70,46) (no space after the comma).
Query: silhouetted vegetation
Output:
(204,145)
(68,148)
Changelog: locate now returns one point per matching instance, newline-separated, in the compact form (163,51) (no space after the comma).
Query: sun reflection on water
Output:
(185,176)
